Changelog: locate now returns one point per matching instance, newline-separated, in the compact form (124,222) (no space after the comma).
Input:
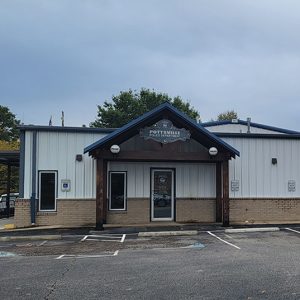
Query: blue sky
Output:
(72,55)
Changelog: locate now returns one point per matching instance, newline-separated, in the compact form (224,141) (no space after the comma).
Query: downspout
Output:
(22,164)
(33,173)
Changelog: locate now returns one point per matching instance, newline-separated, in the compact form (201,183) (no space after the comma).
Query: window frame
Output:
(125,191)
(40,172)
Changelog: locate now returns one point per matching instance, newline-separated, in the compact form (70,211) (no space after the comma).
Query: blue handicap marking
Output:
(6,254)
(197,245)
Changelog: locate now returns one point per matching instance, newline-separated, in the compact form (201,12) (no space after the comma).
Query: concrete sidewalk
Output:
(62,230)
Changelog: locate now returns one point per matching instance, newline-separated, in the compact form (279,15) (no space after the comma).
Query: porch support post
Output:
(225,198)
(101,193)
(218,192)
(8,190)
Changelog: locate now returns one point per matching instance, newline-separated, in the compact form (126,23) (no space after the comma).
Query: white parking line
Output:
(223,240)
(292,230)
(84,238)
(65,256)
(123,238)
(107,238)
(42,243)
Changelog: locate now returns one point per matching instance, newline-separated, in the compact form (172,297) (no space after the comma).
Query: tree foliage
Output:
(8,125)
(129,105)
(228,115)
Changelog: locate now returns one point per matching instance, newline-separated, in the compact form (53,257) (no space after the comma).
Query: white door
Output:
(162,195)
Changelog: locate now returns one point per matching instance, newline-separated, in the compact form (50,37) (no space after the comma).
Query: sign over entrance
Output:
(165,132)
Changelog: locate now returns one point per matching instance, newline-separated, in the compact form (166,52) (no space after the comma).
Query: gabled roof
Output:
(65,129)
(257,125)
(153,116)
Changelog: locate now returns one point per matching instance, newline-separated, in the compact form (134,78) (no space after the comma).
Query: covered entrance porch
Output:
(160,167)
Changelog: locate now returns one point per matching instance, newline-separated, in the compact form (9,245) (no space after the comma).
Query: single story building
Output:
(160,167)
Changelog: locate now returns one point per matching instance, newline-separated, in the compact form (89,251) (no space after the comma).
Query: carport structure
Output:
(9,159)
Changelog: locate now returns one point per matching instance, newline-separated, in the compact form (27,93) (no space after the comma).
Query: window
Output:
(117,191)
(47,190)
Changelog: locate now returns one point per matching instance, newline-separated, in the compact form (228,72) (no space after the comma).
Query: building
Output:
(160,167)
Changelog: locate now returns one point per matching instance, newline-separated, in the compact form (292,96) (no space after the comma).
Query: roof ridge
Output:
(253,124)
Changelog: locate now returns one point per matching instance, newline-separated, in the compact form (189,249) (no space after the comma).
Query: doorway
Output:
(162,195)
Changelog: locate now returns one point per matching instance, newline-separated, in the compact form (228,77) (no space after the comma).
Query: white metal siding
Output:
(258,178)
(57,151)
(239,128)
(192,180)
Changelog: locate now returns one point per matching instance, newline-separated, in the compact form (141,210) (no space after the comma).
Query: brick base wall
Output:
(82,212)
(195,210)
(138,212)
(79,212)
(268,211)
(22,213)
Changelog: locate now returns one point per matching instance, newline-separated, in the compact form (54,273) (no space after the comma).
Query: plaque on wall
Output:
(291,185)
(165,132)
(235,185)
(65,185)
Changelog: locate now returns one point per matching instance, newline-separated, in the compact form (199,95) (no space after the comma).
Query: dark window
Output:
(47,190)
(117,190)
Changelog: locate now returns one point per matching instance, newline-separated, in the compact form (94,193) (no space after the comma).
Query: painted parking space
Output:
(293,230)
(105,238)
(80,256)
(101,244)
(223,240)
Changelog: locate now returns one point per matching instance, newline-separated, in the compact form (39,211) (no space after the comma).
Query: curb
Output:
(30,238)
(9,226)
(167,233)
(262,229)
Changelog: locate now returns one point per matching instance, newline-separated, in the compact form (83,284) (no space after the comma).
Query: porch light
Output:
(213,151)
(115,149)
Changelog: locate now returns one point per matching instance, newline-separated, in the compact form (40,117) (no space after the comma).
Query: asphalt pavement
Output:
(215,265)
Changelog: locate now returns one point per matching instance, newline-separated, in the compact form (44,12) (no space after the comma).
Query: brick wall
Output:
(195,210)
(138,212)
(79,212)
(22,213)
(274,211)
(82,212)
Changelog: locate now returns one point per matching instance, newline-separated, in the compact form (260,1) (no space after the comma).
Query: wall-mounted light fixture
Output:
(213,151)
(115,149)
(78,157)
(274,161)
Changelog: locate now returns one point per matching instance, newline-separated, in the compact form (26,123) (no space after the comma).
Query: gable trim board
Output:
(252,124)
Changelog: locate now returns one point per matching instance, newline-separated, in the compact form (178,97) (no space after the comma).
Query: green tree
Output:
(8,125)
(228,115)
(129,105)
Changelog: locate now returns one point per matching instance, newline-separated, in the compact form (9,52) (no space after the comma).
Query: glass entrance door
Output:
(162,195)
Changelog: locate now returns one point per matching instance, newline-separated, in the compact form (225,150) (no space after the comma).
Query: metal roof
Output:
(242,122)
(166,106)
(11,158)
(65,129)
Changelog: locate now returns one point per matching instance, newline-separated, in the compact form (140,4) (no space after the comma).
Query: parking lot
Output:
(209,265)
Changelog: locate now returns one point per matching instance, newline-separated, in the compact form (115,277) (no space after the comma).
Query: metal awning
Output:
(10,158)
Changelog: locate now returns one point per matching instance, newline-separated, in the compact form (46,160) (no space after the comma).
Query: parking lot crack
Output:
(63,274)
